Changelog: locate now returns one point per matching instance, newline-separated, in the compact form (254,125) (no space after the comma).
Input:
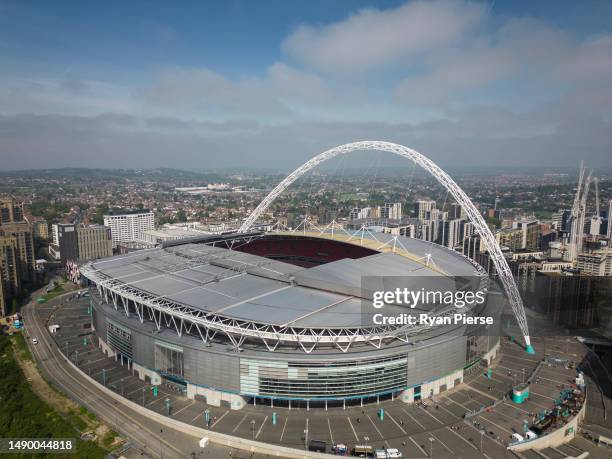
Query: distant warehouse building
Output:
(129,225)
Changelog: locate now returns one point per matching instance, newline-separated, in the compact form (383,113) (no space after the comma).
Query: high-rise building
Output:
(391,211)
(456,211)
(512,238)
(94,242)
(471,246)
(10,283)
(360,214)
(594,263)
(451,232)
(531,232)
(55,234)
(17,258)
(423,209)
(82,243)
(68,244)
(40,229)
(22,233)
(11,210)
(595,224)
(129,226)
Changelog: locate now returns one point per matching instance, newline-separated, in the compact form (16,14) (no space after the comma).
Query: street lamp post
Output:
(143,395)
(431,440)
(481,435)
(253,428)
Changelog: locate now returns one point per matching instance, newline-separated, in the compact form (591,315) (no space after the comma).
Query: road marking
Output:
(391,417)
(541,395)
(468,442)
(382,437)
(427,411)
(448,411)
(158,399)
(521,358)
(139,389)
(352,428)
(331,435)
(507,416)
(495,424)
(484,394)
(284,426)
(184,408)
(418,446)
(457,403)
(413,418)
(197,416)
(241,421)
(218,419)
(516,407)
(261,427)
(442,443)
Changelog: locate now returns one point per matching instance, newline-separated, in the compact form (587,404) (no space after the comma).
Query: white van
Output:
(394,453)
(531,435)
(517,438)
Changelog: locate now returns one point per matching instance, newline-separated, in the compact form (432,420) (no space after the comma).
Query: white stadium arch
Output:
(501,265)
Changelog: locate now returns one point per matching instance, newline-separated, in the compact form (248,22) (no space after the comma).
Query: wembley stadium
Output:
(278,317)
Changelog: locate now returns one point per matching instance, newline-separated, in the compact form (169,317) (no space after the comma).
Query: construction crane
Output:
(596,183)
(575,217)
(583,201)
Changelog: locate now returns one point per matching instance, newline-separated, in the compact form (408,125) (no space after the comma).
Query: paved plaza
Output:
(415,430)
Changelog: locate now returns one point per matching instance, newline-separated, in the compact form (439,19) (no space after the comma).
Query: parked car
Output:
(317,445)
(35,340)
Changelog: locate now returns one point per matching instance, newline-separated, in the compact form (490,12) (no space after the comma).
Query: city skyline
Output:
(241,84)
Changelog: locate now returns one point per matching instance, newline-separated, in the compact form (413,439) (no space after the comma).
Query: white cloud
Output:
(465,70)
(373,37)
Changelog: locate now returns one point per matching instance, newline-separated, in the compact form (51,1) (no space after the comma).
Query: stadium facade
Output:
(278,317)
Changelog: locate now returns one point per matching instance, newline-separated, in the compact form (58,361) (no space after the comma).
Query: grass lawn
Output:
(25,415)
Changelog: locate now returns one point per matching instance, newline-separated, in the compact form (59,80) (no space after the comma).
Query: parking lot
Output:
(414,429)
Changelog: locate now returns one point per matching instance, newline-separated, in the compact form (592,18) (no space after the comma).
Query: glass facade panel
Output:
(119,338)
(325,380)
(169,359)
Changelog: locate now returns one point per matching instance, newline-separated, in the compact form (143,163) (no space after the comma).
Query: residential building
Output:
(129,225)
(391,211)
(450,233)
(423,209)
(10,283)
(531,233)
(11,210)
(593,263)
(512,238)
(40,229)
(22,233)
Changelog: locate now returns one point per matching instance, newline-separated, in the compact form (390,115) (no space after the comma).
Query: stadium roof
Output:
(253,288)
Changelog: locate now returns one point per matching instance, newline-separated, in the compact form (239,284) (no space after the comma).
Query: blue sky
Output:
(222,84)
